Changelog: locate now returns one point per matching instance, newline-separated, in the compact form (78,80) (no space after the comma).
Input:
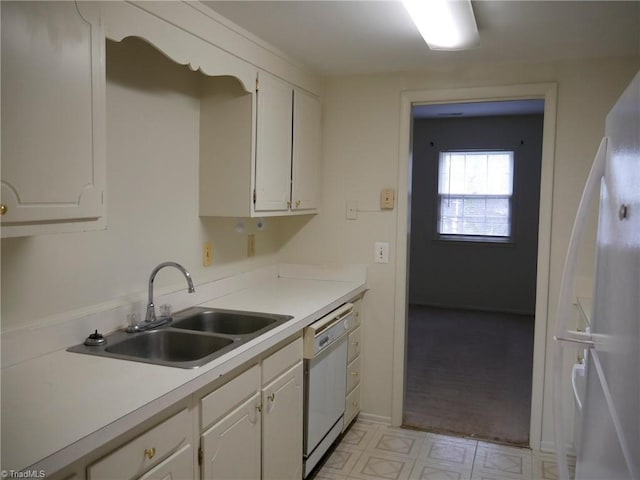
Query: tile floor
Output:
(373,451)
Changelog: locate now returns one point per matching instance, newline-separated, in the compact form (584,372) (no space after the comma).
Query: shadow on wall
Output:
(229,236)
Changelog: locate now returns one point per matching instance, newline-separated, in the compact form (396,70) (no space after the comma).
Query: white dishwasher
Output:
(325,370)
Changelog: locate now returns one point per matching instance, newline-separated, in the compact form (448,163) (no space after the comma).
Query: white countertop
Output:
(60,406)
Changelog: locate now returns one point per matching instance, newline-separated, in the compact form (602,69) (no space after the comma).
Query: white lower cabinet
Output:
(252,425)
(249,428)
(354,371)
(282,426)
(177,467)
(160,452)
(231,448)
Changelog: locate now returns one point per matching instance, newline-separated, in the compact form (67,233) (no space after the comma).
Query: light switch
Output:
(387,199)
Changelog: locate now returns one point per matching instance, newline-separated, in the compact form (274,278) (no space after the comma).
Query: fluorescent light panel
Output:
(444,24)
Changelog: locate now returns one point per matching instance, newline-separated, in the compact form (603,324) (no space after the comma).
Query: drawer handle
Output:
(355,344)
(271,397)
(355,374)
(150,452)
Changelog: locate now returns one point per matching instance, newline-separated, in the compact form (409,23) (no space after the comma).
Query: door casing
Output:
(546,91)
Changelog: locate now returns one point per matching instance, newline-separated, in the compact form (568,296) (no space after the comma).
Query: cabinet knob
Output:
(3,209)
(271,397)
(150,452)
(297,203)
(355,374)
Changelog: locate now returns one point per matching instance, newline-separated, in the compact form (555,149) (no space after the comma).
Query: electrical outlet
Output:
(387,199)
(381,252)
(207,254)
(251,245)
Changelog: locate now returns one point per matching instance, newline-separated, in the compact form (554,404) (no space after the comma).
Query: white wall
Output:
(153,110)
(361,143)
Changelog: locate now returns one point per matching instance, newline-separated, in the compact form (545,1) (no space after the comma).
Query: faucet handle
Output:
(165,310)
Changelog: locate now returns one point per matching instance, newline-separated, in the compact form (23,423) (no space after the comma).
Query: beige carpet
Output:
(469,373)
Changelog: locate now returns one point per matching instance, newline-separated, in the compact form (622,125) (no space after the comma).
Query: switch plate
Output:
(251,245)
(352,210)
(381,252)
(387,199)
(207,254)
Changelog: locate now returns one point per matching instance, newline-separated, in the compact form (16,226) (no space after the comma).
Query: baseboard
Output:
(369,417)
(550,447)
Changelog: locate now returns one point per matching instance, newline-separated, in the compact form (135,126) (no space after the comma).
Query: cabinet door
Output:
(53,107)
(273,144)
(231,448)
(282,427)
(178,466)
(305,185)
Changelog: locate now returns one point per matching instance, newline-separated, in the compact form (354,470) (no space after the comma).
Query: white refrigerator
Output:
(608,446)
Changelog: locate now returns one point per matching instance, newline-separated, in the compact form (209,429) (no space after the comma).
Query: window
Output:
(475,191)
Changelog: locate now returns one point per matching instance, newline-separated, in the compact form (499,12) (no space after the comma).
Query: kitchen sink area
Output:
(237,342)
(224,321)
(191,338)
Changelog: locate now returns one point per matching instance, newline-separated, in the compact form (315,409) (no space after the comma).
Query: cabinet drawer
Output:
(281,361)
(145,451)
(354,345)
(357,312)
(178,465)
(353,374)
(352,406)
(220,401)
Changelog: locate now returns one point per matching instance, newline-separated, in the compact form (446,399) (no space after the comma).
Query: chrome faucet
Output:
(150,320)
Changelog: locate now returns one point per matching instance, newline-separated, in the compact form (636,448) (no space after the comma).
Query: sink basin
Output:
(226,322)
(195,337)
(169,346)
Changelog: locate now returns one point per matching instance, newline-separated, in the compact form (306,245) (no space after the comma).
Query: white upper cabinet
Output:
(305,174)
(274,113)
(287,148)
(259,151)
(53,118)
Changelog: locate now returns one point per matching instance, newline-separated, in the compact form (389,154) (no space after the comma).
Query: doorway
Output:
(546,92)
(472,271)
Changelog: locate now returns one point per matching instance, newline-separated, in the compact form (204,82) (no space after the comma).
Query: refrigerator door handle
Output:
(577,371)
(594,181)
(573,336)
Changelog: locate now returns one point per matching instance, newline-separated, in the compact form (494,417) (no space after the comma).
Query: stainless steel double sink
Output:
(193,338)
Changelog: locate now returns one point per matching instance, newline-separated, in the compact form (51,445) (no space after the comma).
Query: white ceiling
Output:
(336,37)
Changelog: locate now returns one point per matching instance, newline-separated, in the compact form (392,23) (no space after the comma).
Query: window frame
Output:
(476,239)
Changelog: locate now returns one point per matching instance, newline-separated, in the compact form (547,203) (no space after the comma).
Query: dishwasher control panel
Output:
(322,333)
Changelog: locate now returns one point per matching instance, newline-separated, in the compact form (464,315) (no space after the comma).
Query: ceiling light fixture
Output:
(444,24)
